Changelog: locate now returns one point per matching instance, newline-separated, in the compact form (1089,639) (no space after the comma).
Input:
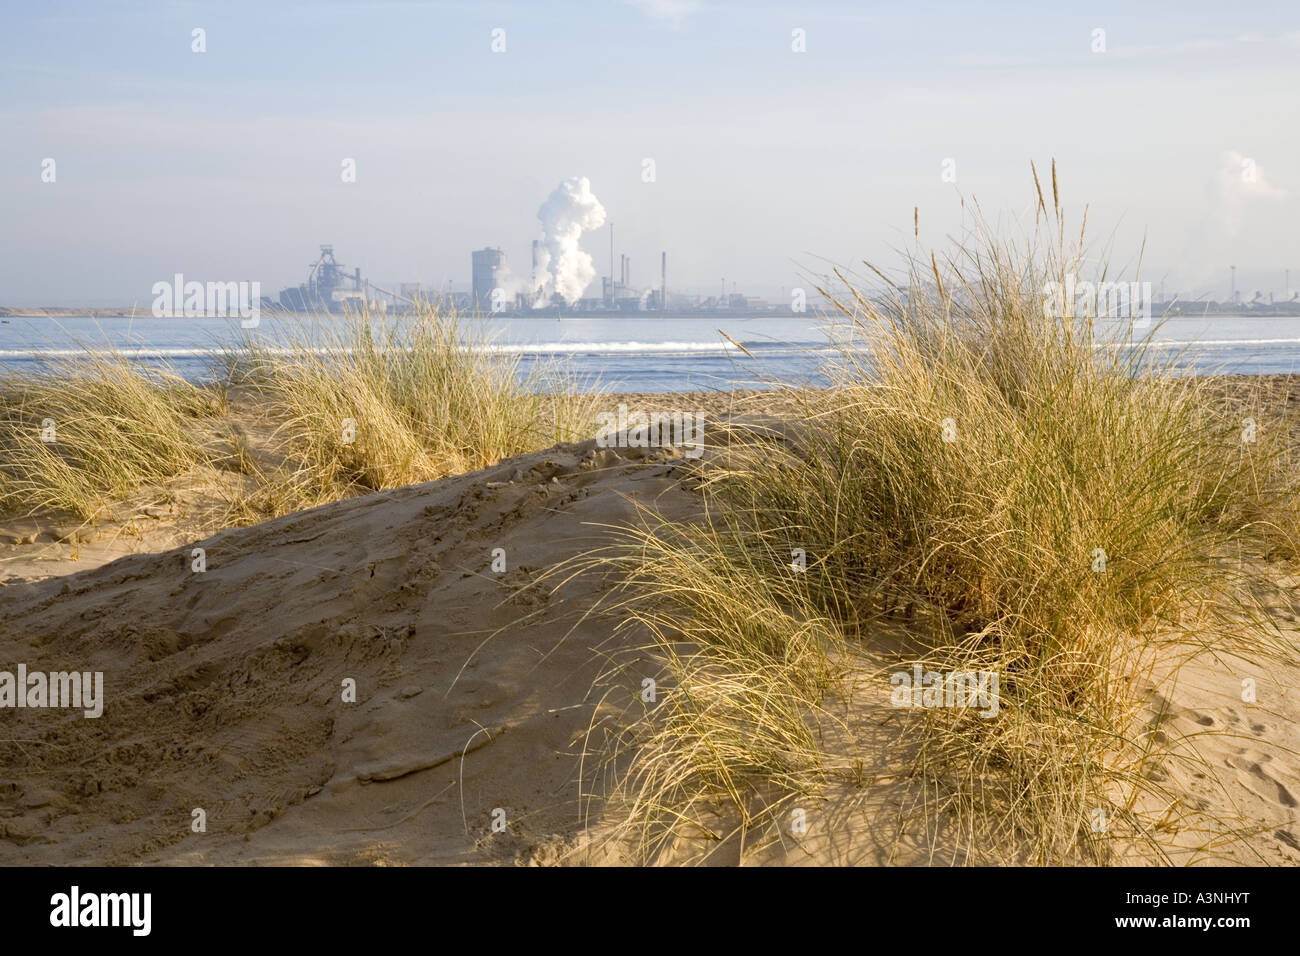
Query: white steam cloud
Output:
(562,266)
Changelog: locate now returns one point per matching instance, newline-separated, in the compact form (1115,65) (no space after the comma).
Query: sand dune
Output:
(224,687)
(224,691)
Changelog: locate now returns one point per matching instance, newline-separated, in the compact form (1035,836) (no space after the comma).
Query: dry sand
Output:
(473,689)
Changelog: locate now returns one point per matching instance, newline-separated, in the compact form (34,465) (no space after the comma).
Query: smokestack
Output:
(663,283)
(532,291)
(622,269)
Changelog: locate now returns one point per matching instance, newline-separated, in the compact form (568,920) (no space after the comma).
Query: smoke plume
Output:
(568,212)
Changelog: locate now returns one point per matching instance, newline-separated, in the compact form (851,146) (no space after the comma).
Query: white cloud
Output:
(1239,179)
(672,12)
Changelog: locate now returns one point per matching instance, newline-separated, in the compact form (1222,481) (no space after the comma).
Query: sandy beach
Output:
(476,689)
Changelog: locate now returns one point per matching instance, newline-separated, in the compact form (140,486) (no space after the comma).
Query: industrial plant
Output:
(559,276)
(333,287)
(493,288)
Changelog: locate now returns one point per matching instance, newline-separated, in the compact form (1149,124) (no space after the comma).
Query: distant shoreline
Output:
(1175,309)
(50,313)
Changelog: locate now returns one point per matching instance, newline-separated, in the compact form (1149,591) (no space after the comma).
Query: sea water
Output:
(631,353)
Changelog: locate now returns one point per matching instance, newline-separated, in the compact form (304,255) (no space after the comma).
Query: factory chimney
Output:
(532,291)
(663,283)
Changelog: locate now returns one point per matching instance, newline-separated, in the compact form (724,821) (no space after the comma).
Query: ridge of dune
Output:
(224,688)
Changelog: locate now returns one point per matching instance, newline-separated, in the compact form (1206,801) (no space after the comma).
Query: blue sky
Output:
(769,163)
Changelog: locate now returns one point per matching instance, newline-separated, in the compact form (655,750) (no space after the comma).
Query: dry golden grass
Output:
(962,478)
(345,407)
(371,403)
(84,433)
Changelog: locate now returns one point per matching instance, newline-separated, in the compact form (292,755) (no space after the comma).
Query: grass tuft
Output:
(986,488)
(316,411)
(81,434)
(367,403)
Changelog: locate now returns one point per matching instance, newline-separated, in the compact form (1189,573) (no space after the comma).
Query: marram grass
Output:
(81,434)
(1010,492)
(369,403)
(352,405)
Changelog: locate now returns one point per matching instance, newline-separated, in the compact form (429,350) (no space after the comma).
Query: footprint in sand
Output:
(1251,773)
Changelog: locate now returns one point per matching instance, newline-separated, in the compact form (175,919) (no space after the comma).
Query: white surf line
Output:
(1163,343)
(1193,344)
(594,348)
(520,349)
